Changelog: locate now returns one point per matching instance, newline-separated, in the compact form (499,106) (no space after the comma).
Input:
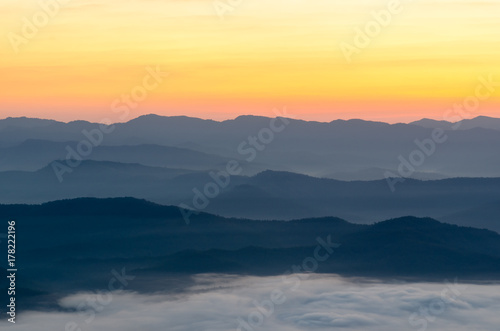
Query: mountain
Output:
(90,179)
(32,155)
(72,245)
(432,124)
(13,124)
(286,144)
(404,247)
(484,215)
(268,195)
(24,122)
(377,174)
(483,122)
(283,195)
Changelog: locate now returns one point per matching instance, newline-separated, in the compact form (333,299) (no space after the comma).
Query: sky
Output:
(84,59)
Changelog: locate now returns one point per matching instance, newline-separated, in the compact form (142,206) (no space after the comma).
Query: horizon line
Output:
(244,115)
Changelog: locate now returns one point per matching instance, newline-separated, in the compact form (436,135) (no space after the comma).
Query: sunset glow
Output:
(258,56)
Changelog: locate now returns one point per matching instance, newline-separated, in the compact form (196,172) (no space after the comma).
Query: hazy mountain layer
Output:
(268,195)
(319,149)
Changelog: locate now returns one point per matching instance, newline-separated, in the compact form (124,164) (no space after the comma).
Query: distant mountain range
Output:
(33,155)
(267,195)
(72,245)
(482,122)
(278,195)
(340,149)
(115,193)
(374,173)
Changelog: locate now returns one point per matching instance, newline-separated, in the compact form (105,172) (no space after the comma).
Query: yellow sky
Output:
(259,55)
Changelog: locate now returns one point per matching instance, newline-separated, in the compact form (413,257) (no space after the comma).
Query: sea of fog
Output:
(280,303)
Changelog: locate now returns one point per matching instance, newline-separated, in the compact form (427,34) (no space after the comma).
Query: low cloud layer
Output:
(293,303)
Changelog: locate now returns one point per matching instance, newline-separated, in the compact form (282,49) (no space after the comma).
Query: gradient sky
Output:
(262,55)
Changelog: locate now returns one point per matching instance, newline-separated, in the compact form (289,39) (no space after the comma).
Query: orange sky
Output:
(89,55)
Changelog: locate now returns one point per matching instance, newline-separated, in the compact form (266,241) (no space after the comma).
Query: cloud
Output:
(223,303)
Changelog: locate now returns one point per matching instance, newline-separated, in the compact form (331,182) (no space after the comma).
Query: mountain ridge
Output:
(85,238)
(152,116)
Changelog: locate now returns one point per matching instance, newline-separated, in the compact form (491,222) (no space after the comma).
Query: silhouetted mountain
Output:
(268,195)
(377,174)
(432,124)
(401,247)
(32,155)
(484,215)
(311,148)
(288,196)
(91,179)
(483,122)
(72,245)
(24,122)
